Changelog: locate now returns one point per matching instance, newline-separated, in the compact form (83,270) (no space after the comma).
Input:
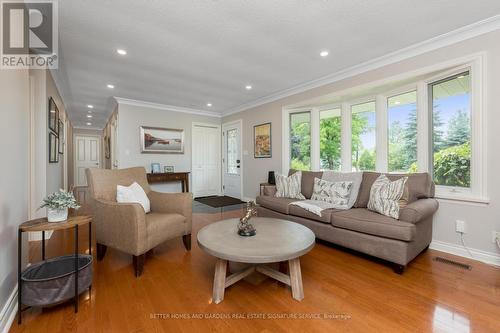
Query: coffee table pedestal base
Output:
(221,281)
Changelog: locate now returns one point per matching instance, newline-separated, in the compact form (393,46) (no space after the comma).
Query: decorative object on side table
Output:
(245,228)
(168,169)
(155,168)
(57,205)
(162,140)
(271,179)
(262,141)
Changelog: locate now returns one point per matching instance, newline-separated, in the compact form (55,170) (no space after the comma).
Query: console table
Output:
(168,177)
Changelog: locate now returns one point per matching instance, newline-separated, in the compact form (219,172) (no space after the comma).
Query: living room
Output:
(251,166)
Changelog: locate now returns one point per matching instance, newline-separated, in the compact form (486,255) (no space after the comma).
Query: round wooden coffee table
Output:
(276,241)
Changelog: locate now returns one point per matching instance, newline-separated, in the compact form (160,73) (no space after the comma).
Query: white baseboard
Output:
(9,311)
(458,250)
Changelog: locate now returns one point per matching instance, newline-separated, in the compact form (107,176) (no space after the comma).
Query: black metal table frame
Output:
(19,268)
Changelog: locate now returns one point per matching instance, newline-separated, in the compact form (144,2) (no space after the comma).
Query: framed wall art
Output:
(161,140)
(262,141)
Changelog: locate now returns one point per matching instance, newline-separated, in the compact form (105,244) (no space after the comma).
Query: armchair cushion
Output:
(131,194)
(178,203)
(161,227)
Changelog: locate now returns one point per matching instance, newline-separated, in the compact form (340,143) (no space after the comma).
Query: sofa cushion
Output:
(289,187)
(420,186)
(326,215)
(274,203)
(365,221)
(307,183)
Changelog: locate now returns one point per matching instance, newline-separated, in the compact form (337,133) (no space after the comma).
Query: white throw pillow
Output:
(133,194)
(354,177)
(289,187)
(336,193)
(387,197)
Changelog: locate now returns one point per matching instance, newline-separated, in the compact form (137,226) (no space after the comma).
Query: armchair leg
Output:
(186,239)
(398,269)
(101,251)
(139,264)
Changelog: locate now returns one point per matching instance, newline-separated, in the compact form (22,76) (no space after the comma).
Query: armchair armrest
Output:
(180,203)
(120,225)
(269,190)
(418,210)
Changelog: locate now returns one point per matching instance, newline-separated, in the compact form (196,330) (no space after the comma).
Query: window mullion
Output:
(423,128)
(381,134)
(346,138)
(315,141)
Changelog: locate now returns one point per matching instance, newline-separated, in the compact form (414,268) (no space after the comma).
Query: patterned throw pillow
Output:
(289,187)
(387,197)
(337,193)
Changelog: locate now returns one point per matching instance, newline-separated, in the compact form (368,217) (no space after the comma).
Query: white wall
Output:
(481,219)
(131,117)
(14,134)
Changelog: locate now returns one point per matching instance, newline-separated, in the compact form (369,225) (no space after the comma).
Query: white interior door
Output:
(206,161)
(87,155)
(231,160)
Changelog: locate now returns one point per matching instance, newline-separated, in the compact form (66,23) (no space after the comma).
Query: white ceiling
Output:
(190,52)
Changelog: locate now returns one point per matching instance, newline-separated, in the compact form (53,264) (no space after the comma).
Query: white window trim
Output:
(475,63)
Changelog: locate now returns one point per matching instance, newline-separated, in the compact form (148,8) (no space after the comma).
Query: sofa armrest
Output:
(120,225)
(269,190)
(418,210)
(180,203)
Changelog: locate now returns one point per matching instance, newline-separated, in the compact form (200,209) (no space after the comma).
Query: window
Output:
(363,136)
(402,132)
(232,150)
(330,124)
(450,153)
(300,141)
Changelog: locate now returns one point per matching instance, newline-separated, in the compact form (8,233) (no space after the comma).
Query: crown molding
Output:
(449,38)
(165,107)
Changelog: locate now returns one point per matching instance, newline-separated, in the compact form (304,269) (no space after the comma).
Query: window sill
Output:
(446,197)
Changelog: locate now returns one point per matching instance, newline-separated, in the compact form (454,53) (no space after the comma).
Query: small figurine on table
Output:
(244,227)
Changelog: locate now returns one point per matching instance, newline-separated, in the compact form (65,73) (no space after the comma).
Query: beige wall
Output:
(14,144)
(130,118)
(481,219)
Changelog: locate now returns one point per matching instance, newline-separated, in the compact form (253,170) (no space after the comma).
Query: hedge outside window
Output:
(330,125)
(363,136)
(300,141)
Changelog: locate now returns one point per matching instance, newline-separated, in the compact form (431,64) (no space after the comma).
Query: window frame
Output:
(418,80)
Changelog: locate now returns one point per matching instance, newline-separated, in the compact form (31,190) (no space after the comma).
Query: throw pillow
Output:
(289,187)
(337,193)
(387,197)
(355,177)
(133,194)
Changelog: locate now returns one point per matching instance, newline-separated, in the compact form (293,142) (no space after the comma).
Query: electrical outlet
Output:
(460,226)
(494,236)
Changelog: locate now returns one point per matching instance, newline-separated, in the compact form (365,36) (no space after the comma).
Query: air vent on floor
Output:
(453,263)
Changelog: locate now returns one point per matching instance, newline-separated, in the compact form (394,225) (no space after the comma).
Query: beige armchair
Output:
(126,227)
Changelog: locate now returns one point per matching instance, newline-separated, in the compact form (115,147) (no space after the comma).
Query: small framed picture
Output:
(168,169)
(53,117)
(53,148)
(155,168)
(262,141)
(61,137)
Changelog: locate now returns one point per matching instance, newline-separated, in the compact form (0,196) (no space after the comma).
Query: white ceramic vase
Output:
(57,215)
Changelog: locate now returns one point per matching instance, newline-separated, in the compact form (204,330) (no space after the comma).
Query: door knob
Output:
(237,161)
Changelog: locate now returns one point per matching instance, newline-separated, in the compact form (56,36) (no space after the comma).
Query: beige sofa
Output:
(126,227)
(396,241)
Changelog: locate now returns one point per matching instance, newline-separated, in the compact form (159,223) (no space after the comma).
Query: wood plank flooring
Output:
(344,292)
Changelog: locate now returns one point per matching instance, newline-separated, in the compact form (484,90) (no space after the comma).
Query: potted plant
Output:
(57,205)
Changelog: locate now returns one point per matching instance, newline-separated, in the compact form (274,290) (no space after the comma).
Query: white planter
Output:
(57,215)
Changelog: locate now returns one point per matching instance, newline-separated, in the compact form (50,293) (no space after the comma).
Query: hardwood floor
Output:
(348,292)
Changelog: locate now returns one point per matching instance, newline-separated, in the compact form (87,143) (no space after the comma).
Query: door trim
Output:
(242,164)
(219,128)
(99,137)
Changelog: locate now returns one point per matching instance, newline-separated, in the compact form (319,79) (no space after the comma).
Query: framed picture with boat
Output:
(162,140)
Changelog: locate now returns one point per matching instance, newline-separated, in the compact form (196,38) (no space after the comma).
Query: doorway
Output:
(206,160)
(232,166)
(87,154)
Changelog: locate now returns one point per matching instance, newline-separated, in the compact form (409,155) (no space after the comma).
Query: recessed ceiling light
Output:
(90,106)
(110,86)
(323,53)
(89,124)
(397,102)
(121,52)
(248,87)
(209,104)
(89,116)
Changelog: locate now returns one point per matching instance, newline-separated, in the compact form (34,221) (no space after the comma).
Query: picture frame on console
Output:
(262,141)
(161,140)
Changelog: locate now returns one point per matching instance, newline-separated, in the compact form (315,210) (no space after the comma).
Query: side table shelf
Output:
(41,283)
